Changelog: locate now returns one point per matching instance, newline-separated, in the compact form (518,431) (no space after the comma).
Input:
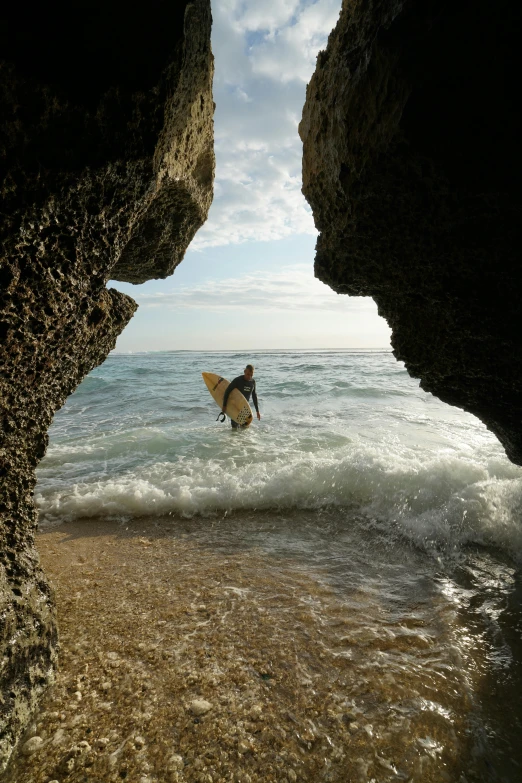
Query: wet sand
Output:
(180,662)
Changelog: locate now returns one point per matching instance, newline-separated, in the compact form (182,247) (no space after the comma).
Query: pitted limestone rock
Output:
(107,169)
(411,165)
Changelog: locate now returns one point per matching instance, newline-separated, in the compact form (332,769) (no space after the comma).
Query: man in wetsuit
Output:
(247,386)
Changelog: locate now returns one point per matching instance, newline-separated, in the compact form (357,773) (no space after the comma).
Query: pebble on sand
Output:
(32,745)
(199,707)
(59,736)
(256,712)
(175,762)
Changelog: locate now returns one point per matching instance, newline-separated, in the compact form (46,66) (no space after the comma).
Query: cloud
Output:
(291,289)
(268,15)
(290,52)
(265,53)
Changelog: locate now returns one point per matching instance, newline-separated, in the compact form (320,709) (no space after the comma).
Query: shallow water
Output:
(377,529)
(337,657)
(433,646)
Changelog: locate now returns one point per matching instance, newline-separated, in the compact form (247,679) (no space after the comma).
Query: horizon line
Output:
(246,350)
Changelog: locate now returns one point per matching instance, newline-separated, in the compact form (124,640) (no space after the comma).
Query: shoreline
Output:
(182,663)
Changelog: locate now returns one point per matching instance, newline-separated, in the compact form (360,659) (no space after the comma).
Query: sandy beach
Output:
(180,662)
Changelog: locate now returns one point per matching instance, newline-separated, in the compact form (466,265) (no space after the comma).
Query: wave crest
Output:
(445,501)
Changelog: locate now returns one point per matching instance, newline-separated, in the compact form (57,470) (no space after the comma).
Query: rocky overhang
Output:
(107,167)
(411,165)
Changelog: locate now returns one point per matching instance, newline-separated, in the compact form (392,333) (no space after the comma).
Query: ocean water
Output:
(338,430)
(405,509)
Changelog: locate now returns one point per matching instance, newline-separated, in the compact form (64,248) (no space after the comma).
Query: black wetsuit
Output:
(246,387)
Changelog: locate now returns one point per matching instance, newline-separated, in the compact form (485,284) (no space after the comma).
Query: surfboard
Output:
(237,407)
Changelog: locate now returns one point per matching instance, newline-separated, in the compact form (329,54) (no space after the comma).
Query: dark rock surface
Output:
(106,171)
(411,132)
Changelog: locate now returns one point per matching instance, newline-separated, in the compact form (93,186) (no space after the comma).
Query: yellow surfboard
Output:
(237,407)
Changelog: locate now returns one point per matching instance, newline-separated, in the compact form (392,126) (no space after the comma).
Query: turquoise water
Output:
(372,487)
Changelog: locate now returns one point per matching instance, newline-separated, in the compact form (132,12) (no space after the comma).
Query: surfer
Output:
(247,386)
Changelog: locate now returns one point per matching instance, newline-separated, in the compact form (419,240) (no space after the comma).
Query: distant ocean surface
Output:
(348,430)
(407,509)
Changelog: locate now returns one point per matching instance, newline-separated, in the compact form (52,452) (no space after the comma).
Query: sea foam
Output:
(442,501)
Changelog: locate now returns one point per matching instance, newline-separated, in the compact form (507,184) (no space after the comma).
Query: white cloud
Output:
(265,53)
(267,15)
(291,289)
(291,51)
(287,308)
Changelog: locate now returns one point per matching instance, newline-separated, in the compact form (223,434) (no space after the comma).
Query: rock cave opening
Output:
(412,172)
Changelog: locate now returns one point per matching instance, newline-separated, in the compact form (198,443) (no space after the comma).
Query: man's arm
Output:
(254,400)
(230,387)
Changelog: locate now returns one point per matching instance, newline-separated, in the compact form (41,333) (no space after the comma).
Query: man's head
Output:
(248,372)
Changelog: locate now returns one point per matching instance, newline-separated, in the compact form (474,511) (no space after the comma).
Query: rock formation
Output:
(411,132)
(107,168)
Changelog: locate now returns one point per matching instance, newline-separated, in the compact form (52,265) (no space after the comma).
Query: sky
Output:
(247,280)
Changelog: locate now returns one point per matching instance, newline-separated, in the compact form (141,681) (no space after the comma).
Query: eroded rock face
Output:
(411,132)
(106,171)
